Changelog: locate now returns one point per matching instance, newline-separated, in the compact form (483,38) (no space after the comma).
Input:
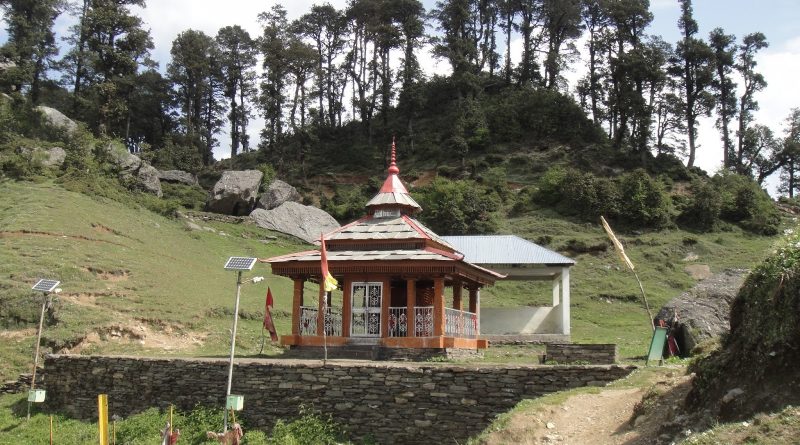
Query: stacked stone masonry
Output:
(390,403)
(594,354)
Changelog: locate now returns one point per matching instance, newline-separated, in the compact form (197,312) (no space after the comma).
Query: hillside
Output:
(136,282)
(133,281)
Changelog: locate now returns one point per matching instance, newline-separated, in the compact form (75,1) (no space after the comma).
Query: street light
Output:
(47,287)
(239,264)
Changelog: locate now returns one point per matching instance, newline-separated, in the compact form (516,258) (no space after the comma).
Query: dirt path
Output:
(601,418)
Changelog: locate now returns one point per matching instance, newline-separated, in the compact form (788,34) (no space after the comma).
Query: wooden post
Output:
(347,306)
(386,301)
(457,295)
(297,303)
(321,305)
(411,304)
(438,307)
(473,300)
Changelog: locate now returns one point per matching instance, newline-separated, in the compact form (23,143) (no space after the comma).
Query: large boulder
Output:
(278,193)
(177,177)
(304,222)
(133,169)
(57,119)
(49,157)
(235,193)
(703,312)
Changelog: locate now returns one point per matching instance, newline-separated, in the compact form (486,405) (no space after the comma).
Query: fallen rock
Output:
(698,271)
(304,222)
(147,177)
(132,169)
(732,394)
(278,193)
(177,177)
(57,119)
(235,193)
(703,311)
(49,157)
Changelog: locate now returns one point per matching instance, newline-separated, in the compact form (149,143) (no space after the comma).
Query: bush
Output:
(702,212)
(644,202)
(346,204)
(187,196)
(745,203)
(310,429)
(457,207)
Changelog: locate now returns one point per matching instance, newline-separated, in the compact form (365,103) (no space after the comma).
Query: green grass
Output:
(764,429)
(127,267)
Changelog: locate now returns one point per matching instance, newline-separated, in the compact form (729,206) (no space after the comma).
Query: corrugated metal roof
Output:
(504,249)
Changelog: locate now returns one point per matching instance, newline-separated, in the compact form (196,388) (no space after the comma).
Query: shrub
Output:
(744,202)
(187,196)
(644,202)
(310,429)
(550,186)
(702,212)
(457,207)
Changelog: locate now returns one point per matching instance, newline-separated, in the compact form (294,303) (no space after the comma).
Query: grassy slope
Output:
(174,284)
(167,278)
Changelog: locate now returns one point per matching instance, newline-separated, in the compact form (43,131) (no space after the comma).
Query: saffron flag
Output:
(328,282)
(617,245)
(268,324)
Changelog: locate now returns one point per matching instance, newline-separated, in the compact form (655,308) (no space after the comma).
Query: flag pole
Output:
(325,328)
(621,251)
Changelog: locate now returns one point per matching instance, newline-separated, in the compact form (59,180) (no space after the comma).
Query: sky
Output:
(777,19)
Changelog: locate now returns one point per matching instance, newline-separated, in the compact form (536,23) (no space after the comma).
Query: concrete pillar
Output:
(347,306)
(411,304)
(297,303)
(438,307)
(565,314)
(556,290)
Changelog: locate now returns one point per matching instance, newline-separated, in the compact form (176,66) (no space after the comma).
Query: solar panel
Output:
(240,263)
(46,285)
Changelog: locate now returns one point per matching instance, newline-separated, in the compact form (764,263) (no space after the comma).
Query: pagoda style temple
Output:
(395,275)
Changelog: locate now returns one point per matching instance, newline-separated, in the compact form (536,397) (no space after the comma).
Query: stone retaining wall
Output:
(391,403)
(600,354)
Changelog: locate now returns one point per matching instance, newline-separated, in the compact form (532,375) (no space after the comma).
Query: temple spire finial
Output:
(393,169)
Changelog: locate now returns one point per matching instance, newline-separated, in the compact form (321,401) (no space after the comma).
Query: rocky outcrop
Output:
(235,193)
(278,193)
(304,222)
(48,157)
(57,119)
(132,169)
(177,177)
(703,311)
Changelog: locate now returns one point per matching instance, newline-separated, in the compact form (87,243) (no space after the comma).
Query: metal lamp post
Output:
(239,264)
(45,286)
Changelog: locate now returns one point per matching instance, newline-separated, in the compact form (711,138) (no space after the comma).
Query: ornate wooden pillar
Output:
(297,304)
(347,306)
(320,313)
(411,304)
(386,300)
(475,307)
(457,296)
(438,307)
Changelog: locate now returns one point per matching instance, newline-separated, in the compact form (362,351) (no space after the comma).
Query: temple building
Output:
(402,287)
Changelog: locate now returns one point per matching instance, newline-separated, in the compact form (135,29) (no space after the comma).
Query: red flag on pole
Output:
(268,324)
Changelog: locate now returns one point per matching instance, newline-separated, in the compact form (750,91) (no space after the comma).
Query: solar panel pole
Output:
(233,346)
(46,286)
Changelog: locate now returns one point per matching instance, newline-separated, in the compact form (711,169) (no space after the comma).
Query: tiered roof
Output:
(386,236)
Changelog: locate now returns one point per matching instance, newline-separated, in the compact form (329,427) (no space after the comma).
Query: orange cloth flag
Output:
(328,282)
(268,324)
